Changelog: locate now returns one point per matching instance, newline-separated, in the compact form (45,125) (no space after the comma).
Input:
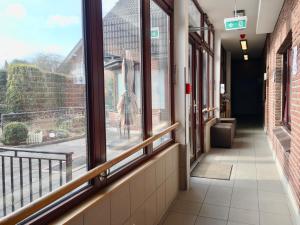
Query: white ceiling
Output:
(217,10)
(265,20)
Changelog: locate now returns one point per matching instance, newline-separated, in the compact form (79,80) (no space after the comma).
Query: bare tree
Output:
(48,62)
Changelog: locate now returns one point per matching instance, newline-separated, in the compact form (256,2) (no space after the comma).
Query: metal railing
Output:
(60,192)
(24,174)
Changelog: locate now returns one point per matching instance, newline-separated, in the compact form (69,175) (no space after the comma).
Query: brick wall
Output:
(288,21)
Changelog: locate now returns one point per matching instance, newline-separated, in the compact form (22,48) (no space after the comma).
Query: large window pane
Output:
(160,71)
(43,102)
(206,32)
(194,16)
(211,40)
(122,75)
(205,83)
(211,84)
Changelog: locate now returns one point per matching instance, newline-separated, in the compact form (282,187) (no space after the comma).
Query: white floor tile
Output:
(274,207)
(184,206)
(174,218)
(214,211)
(217,195)
(274,219)
(209,221)
(244,216)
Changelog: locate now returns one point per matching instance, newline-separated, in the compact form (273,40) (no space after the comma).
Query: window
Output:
(205,78)
(194,16)
(122,76)
(75,96)
(211,85)
(211,41)
(286,109)
(206,32)
(43,100)
(160,71)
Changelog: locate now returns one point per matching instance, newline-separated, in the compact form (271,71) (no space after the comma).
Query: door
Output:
(195,101)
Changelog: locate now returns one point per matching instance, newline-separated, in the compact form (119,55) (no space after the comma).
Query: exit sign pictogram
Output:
(236,23)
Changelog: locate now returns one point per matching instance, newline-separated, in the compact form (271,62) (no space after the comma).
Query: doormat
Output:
(212,171)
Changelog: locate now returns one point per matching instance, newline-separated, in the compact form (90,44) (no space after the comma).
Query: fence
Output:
(28,174)
(62,113)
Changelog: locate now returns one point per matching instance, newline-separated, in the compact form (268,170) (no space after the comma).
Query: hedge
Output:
(30,89)
(15,133)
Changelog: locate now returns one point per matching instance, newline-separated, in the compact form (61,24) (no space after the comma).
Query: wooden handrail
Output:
(22,213)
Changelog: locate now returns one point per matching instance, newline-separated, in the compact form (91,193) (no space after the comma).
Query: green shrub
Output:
(24,86)
(15,133)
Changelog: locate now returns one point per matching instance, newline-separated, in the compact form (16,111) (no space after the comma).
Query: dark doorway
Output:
(247,89)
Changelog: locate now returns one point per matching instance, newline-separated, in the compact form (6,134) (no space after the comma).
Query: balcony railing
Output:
(28,174)
(60,192)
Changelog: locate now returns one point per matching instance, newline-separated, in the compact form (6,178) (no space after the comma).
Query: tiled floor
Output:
(253,196)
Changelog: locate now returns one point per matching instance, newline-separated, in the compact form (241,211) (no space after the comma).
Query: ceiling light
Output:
(246,57)
(244,45)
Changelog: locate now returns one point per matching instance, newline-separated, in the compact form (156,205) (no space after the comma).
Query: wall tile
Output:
(150,210)
(161,200)
(137,191)
(99,212)
(120,205)
(160,171)
(150,180)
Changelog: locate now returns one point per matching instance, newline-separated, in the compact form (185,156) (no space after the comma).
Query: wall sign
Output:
(295,61)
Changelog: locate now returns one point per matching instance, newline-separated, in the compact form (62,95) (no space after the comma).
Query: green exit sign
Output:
(236,23)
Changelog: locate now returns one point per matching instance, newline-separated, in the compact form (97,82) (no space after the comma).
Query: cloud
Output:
(62,21)
(11,48)
(14,49)
(17,11)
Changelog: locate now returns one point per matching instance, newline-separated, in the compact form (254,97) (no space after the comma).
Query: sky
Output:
(31,27)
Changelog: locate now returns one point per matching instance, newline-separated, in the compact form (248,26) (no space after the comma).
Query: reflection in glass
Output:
(194,16)
(189,103)
(122,75)
(160,72)
(42,100)
(205,83)
(206,32)
(211,86)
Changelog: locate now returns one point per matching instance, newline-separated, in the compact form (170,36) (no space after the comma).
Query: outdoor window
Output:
(206,32)
(122,76)
(286,109)
(205,87)
(160,71)
(194,16)
(43,100)
(73,96)
(211,41)
(211,84)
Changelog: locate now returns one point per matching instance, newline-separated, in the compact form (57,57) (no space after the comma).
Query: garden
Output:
(39,107)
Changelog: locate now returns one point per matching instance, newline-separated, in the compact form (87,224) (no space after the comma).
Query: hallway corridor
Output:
(254,194)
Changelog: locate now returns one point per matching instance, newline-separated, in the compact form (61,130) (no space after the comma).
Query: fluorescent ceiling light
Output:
(244,45)
(246,57)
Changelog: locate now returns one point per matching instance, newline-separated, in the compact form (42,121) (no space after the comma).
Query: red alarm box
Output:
(188,88)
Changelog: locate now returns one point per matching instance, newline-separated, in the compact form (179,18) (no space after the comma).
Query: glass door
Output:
(195,101)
